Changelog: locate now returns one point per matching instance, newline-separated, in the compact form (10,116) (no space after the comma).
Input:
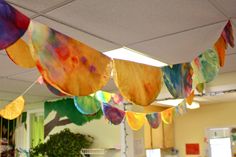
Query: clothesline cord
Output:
(29,87)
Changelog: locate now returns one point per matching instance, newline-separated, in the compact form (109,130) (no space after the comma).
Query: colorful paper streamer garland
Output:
(57,60)
(202,70)
(89,105)
(18,23)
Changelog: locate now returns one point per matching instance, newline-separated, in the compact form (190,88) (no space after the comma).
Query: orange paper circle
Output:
(137,83)
(68,64)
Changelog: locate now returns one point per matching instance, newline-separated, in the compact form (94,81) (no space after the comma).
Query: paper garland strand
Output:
(180,79)
(116,116)
(136,120)
(61,61)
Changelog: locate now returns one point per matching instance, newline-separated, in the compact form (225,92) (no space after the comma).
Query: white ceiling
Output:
(171,31)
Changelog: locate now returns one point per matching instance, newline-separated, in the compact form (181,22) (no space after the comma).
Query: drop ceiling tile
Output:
(13,86)
(37,5)
(182,47)
(234,22)
(92,41)
(228,6)
(10,89)
(30,76)
(7,96)
(7,67)
(24,11)
(127,22)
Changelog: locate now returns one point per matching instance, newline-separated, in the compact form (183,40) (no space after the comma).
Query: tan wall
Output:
(191,128)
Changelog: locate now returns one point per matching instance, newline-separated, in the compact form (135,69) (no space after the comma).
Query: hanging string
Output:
(29,87)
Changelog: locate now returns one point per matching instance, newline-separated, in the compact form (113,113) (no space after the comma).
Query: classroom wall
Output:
(191,128)
(105,134)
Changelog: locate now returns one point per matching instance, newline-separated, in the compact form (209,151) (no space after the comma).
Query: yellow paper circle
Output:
(135,120)
(13,109)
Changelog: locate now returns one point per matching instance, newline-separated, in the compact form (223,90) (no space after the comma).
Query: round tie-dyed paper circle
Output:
(113,114)
(13,24)
(66,63)
(178,79)
(154,119)
(87,105)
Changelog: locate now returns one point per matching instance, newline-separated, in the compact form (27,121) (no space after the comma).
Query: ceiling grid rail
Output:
(218,7)
(18,93)
(44,14)
(179,32)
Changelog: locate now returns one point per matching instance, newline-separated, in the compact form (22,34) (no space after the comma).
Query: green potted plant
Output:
(64,143)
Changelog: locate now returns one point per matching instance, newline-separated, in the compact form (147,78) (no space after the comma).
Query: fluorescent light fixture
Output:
(132,55)
(194,105)
(171,102)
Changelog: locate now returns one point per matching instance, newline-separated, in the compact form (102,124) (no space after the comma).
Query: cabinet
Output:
(162,137)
